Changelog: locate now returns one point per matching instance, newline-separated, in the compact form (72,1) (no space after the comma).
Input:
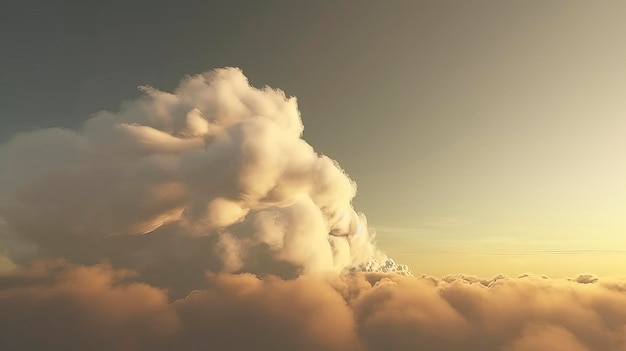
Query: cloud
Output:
(200,219)
(58,305)
(214,176)
(53,306)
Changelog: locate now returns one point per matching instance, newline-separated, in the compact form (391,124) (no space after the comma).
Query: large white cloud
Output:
(214,158)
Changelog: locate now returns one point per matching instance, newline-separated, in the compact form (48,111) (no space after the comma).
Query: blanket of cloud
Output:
(60,306)
(200,219)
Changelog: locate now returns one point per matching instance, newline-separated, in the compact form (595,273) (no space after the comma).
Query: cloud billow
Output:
(215,158)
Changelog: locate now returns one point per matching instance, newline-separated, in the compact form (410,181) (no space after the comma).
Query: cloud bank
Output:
(60,306)
(200,219)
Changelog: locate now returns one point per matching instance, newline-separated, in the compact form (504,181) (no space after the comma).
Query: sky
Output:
(485,137)
(323,175)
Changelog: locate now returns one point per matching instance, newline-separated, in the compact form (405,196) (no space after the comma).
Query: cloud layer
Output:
(60,306)
(200,219)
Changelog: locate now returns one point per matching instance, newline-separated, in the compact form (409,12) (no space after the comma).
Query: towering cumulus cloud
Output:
(200,219)
(215,172)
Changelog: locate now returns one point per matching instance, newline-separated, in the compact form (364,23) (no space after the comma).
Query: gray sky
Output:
(475,129)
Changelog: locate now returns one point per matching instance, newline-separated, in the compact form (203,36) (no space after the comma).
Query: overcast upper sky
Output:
(485,136)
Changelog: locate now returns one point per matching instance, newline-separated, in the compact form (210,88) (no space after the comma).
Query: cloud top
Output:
(57,305)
